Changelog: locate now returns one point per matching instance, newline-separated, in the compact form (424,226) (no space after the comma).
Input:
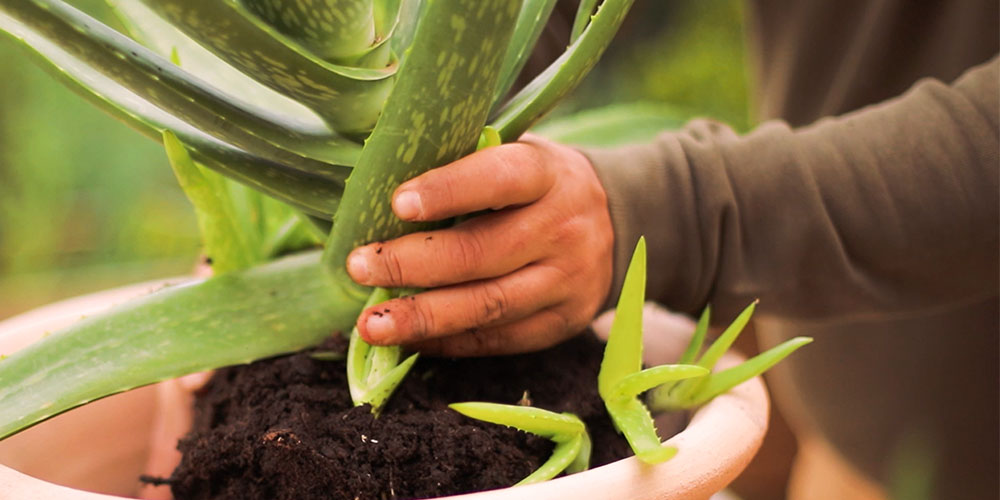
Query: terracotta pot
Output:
(104,446)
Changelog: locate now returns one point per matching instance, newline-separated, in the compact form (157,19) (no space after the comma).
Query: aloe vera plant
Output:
(373,372)
(686,394)
(673,386)
(622,379)
(327,117)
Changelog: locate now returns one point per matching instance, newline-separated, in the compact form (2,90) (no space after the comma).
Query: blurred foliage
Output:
(86,203)
(688,54)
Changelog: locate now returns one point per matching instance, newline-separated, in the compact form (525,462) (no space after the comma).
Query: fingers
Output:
(457,309)
(485,247)
(539,331)
(494,178)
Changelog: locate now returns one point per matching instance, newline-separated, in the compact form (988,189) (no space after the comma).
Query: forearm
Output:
(885,210)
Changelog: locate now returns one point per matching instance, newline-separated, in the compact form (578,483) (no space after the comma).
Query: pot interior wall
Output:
(100,447)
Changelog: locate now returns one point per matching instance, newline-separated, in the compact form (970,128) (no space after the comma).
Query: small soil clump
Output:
(285,428)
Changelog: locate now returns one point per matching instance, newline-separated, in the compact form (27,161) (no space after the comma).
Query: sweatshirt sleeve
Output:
(878,212)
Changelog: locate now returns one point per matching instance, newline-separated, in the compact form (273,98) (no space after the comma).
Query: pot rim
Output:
(717,444)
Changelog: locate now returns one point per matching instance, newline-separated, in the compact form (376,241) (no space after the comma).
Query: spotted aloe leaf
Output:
(153,32)
(541,94)
(567,431)
(348,97)
(333,30)
(280,307)
(316,195)
(531,22)
(457,60)
(162,84)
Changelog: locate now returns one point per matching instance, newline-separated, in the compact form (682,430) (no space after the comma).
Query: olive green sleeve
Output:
(881,211)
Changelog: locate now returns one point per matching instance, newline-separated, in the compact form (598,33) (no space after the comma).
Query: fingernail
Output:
(357,266)
(407,205)
(379,326)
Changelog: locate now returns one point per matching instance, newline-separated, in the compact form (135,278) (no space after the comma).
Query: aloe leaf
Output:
(433,116)
(164,85)
(386,15)
(673,391)
(280,307)
(622,363)
(572,450)
(582,460)
(381,360)
(405,26)
(623,352)
(563,455)
(374,372)
(636,383)
(315,195)
(160,36)
(530,25)
(343,38)
(634,421)
(583,13)
(293,234)
(698,339)
(348,98)
(227,244)
(541,95)
(379,393)
(687,389)
(357,357)
(359,351)
(537,421)
(488,138)
(718,383)
(725,341)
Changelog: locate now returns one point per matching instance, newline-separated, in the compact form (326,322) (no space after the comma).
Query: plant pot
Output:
(104,446)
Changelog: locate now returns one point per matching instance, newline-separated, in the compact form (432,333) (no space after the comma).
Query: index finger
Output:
(492,178)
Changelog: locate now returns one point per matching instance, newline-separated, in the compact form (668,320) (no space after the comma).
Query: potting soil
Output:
(285,428)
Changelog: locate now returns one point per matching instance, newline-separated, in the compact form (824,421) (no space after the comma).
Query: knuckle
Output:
(569,231)
(390,264)
(468,252)
(423,321)
(518,167)
(483,342)
(444,193)
(493,303)
(561,321)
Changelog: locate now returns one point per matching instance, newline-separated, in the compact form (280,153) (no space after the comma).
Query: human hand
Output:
(525,276)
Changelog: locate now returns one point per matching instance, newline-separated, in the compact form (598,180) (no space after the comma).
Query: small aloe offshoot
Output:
(239,227)
(374,372)
(691,393)
(622,379)
(567,431)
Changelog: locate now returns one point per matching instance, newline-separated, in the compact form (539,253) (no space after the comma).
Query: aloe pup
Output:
(674,386)
(572,443)
(622,379)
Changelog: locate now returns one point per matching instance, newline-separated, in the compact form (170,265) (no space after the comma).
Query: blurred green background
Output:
(87,204)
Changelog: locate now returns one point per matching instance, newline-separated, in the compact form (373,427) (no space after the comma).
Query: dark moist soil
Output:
(284,428)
